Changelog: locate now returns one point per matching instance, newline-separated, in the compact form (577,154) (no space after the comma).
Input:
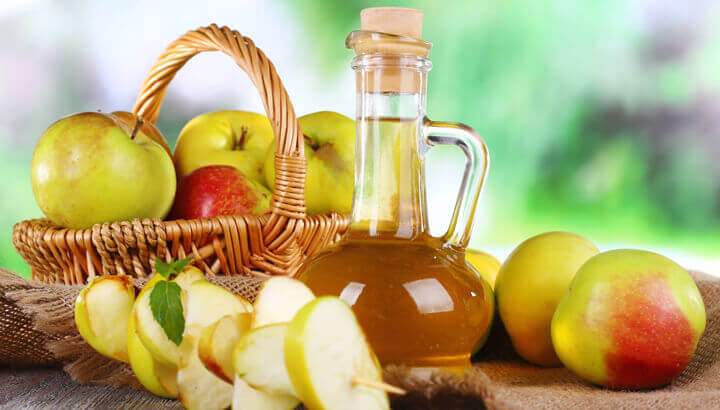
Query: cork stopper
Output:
(400,21)
(391,55)
(393,30)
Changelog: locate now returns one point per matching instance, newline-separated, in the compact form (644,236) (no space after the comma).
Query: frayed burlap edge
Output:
(50,307)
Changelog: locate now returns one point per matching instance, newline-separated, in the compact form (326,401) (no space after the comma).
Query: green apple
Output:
(218,341)
(245,398)
(94,167)
(102,310)
(149,330)
(259,359)
(236,138)
(278,300)
(327,357)
(529,286)
(630,320)
(330,152)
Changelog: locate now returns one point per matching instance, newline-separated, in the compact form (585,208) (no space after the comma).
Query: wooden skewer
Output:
(379,385)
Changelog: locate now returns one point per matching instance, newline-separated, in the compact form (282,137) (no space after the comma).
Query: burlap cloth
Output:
(37,328)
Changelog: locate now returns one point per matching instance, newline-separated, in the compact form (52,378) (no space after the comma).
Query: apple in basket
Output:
(95,167)
(235,138)
(218,190)
(330,152)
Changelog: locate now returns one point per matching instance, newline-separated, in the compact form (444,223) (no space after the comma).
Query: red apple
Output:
(218,190)
(630,320)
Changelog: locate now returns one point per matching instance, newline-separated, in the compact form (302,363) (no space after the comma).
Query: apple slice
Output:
(149,330)
(208,302)
(157,378)
(259,359)
(279,299)
(329,361)
(218,341)
(102,310)
(198,388)
(246,398)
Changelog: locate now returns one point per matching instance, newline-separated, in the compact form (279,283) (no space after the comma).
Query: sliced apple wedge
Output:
(198,388)
(279,299)
(218,341)
(157,378)
(329,361)
(102,311)
(207,303)
(259,359)
(247,398)
(149,330)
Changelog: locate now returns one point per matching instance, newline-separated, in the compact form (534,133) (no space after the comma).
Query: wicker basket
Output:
(275,243)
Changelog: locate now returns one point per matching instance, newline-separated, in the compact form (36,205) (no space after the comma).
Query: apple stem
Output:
(240,142)
(379,385)
(310,142)
(139,123)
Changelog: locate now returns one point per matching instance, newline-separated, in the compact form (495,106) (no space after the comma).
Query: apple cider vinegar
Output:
(419,303)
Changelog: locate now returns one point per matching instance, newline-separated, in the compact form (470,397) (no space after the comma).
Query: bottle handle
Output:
(476,167)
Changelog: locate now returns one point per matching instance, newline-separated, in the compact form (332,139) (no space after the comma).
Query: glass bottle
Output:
(419,302)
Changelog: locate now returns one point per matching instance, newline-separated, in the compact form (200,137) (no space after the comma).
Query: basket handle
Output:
(290,164)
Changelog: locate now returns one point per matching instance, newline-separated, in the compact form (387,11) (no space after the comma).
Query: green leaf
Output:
(167,270)
(166,306)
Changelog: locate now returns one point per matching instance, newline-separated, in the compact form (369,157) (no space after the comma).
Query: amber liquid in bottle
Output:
(418,301)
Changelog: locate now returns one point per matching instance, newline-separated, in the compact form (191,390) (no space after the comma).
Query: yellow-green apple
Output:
(486,264)
(630,320)
(328,358)
(236,138)
(102,310)
(154,376)
(330,152)
(94,167)
(218,190)
(529,286)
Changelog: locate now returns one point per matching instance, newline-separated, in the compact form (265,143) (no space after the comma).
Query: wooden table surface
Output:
(52,388)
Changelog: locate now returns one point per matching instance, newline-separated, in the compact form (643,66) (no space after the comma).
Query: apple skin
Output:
(630,320)
(99,319)
(86,169)
(486,264)
(330,153)
(219,190)
(236,138)
(529,286)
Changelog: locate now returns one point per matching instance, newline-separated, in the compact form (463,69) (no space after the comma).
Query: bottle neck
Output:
(389,195)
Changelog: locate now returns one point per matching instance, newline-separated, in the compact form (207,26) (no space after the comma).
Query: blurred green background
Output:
(602,118)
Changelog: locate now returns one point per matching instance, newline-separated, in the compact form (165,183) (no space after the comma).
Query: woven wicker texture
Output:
(273,244)
(499,379)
